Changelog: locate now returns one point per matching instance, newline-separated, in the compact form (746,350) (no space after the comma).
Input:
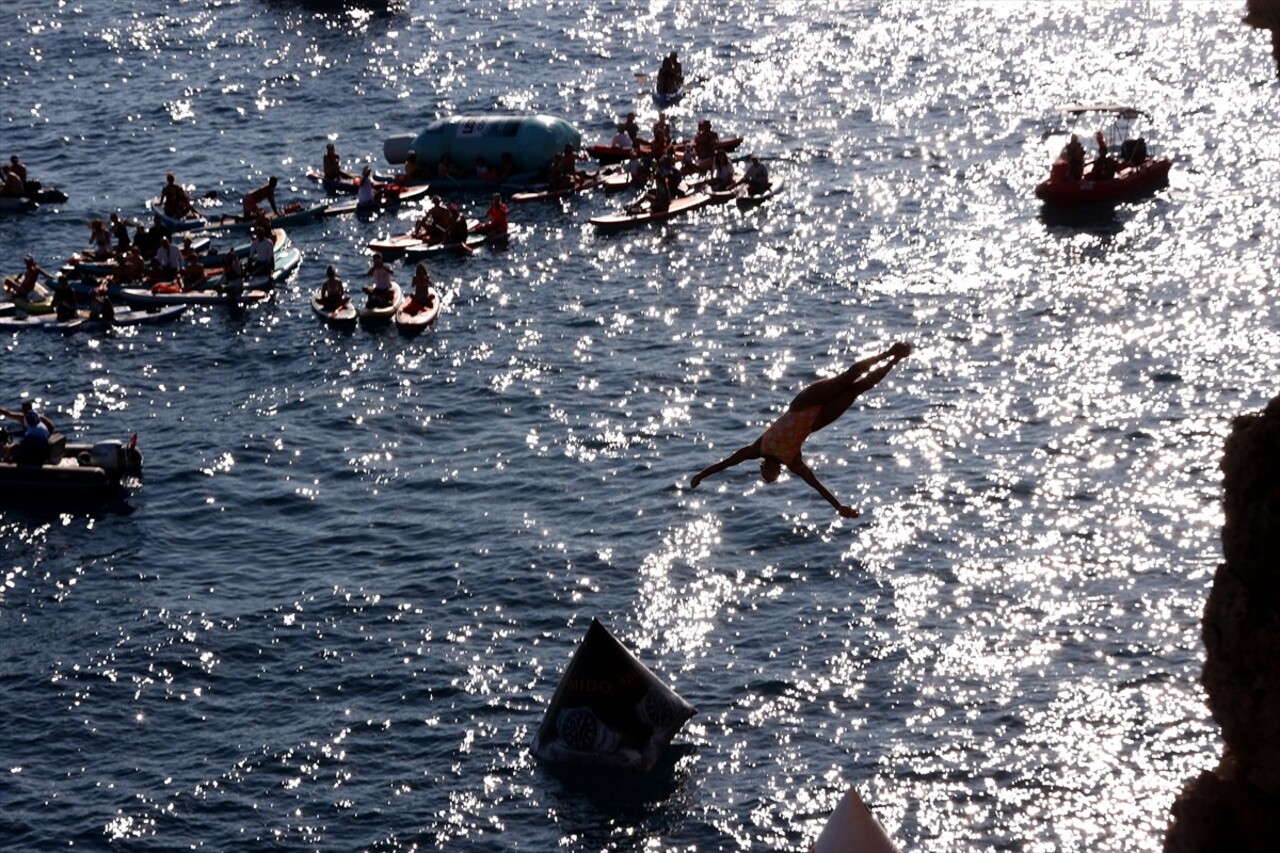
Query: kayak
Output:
(391,195)
(290,214)
(748,200)
(413,317)
(341,317)
(82,322)
(378,316)
(622,220)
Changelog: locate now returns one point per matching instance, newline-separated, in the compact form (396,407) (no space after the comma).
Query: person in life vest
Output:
(816,406)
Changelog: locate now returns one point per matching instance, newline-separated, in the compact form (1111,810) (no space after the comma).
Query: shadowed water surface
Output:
(359,563)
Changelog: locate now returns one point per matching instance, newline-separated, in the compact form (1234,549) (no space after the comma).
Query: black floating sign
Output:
(610,710)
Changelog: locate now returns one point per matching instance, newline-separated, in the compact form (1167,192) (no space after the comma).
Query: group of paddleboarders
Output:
(14,180)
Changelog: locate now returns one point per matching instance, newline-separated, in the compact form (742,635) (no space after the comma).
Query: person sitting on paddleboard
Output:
(262,253)
(756,176)
(423,297)
(369,190)
(333,294)
(100,307)
(380,292)
(495,218)
(632,128)
(22,285)
(64,300)
(622,139)
(174,200)
(332,165)
(169,258)
(253,198)
(457,231)
(722,177)
(818,405)
(232,276)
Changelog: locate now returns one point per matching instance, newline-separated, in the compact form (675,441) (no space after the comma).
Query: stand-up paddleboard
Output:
(342,317)
(853,828)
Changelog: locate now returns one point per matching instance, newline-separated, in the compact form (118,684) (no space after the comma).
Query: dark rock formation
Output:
(1237,805)
(1265,15)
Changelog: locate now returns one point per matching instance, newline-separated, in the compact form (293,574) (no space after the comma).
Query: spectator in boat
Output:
(369,190)
(446,167)
(755,176)
(670,75)
(1073,154)
(27,409)
(632,129)
(16,167)
(656,200)
(722,177)
(495,218)
(64,300)
(381,292)
(10,184)
(457,232)
(33,447)
(483,171)
(333,293)
(704,144)
(332,165)
(816,406)
(564,170)
(506,166)
(100,307)
(99,239)
(661,136)
(253,198)
(22,285)
(232,276)
(131,267)
(423,296)
(169,258)
(669,174)
(120,231)
(411,171)
(1104,167)
(623,140)
(262,253)
(194,276)
(174,200)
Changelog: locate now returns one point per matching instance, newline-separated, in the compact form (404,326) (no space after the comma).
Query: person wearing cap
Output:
(22,285)
(255,197)
(33,447)
(816,406)
(174,200)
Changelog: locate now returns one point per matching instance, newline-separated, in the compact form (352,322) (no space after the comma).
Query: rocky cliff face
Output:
(1265,15)
(1237,805)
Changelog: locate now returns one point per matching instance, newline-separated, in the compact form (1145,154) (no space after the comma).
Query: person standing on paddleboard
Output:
(816,406)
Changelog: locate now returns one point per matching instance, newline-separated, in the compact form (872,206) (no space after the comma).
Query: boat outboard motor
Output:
(116,458)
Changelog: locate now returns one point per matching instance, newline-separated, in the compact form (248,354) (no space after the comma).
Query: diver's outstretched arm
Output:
(804,472)
(751,451)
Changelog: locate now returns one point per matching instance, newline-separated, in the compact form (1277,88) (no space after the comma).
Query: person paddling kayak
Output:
(818,405)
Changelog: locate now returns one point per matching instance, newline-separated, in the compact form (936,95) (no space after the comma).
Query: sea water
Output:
(333,614)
